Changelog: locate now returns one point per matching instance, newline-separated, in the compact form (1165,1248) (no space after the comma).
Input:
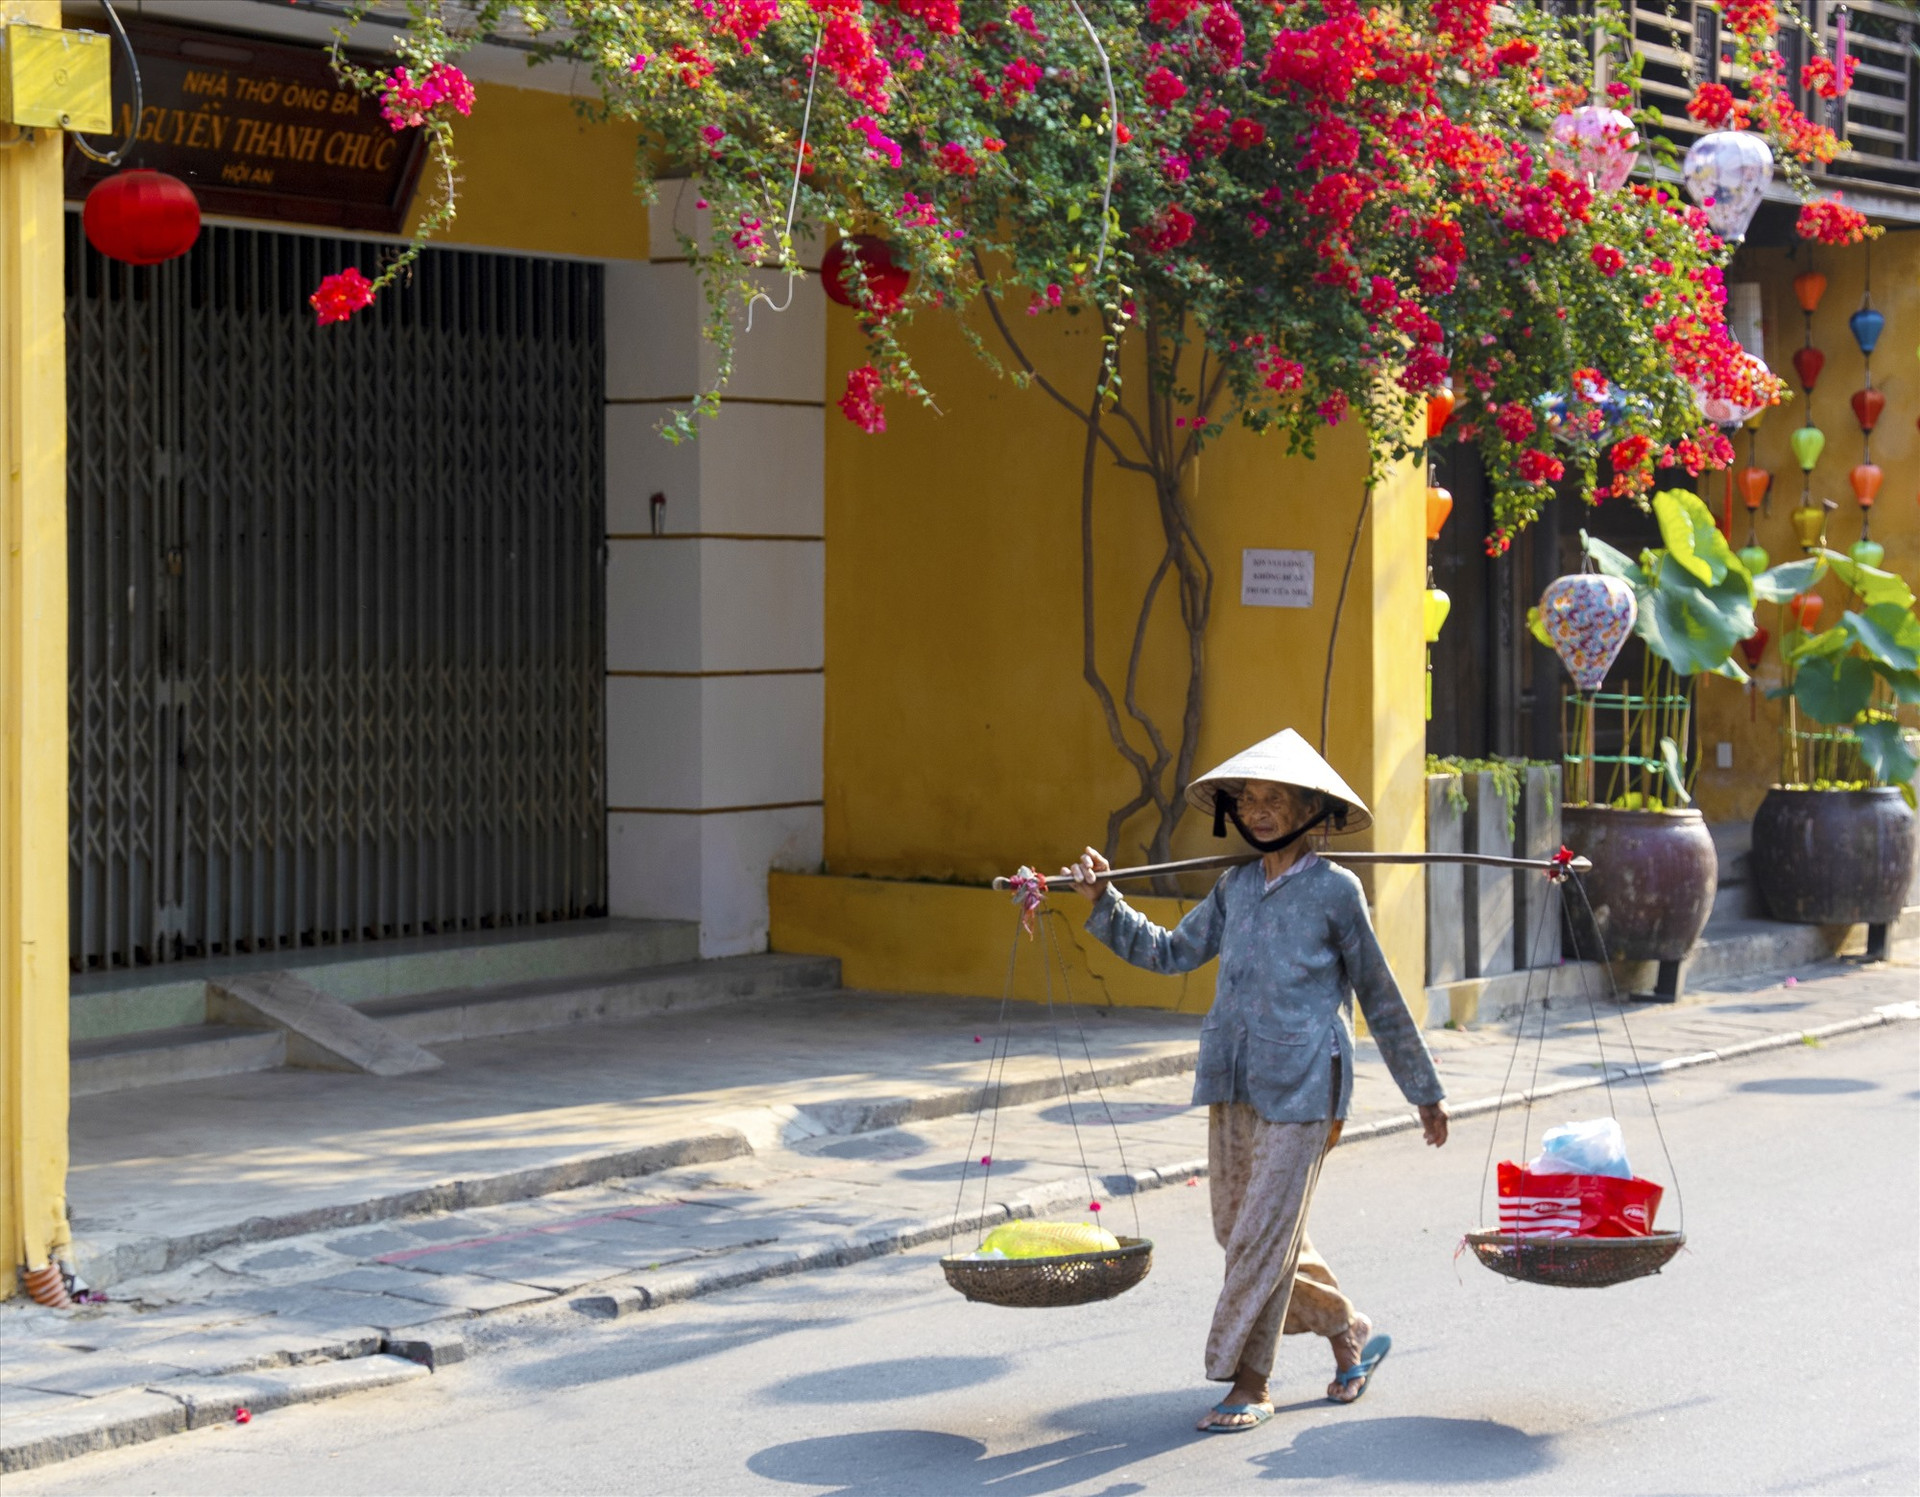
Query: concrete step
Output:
(189,1053)
(174,995)
(467,1014)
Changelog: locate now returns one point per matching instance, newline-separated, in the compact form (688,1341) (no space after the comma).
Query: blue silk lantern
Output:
(1867,325)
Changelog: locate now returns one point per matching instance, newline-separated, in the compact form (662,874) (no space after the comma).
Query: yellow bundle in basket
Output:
(1048,1239)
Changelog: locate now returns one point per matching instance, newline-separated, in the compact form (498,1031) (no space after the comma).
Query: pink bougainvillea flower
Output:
(639,63)
(341,295)
(1606,259)
(1021,77)
(1225,35)
(404,103)
(1820,77)
(861,403)
(880,145)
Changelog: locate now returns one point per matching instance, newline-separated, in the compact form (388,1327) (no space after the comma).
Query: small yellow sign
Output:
(53,79)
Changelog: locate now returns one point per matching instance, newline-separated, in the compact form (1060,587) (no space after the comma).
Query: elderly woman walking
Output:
(1276,1056)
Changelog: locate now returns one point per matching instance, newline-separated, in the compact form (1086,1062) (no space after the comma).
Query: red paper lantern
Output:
(1867,405)
(142,217)
(886,278)
(1807,363)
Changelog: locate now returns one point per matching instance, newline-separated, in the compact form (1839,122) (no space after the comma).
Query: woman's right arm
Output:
(1134,938)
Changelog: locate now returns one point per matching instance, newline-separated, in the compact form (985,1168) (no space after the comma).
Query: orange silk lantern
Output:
(1754,483)
(1867,405)
(1805,608)
(1865,479)
(1439,413)
(1439,506)
(1808,287)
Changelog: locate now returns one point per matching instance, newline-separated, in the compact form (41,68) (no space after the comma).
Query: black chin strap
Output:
(1223,812)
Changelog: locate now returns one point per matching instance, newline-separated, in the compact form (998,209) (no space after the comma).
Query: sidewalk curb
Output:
(106,1257)
(136,1415)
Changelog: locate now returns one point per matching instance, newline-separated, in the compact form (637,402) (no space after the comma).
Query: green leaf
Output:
(1614,563)
(1537,628)
(1872,584)
(1073,212)
(1905,684)
(1692,626)
(1884,746)
(1778,584)
(1693,539)
(1676,775)
(1827,642)
(1833,689)
(1889,634)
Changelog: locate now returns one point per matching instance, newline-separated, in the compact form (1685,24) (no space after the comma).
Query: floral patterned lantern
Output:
(1595,144)
(1728,413)
(1727,173)
(1588,617)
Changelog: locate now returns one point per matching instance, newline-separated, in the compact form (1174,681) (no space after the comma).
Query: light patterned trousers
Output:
(1261,1176)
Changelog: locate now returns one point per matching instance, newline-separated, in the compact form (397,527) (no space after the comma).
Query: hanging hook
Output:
(793,197)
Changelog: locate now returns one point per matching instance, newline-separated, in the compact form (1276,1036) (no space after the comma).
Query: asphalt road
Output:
(1780,1353)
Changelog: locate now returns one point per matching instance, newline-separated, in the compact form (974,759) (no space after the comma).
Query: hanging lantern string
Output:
(119,153)
(793,196)
(1113,136)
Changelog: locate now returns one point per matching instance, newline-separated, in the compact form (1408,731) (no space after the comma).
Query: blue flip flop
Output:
(1371,1356)
(1261,1412)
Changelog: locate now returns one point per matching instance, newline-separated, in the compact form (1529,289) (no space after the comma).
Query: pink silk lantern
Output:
(1588,617)
(1597,143)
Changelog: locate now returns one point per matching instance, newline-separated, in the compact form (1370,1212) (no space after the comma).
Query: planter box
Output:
(1446,915)
(1536,835)
(1487,904)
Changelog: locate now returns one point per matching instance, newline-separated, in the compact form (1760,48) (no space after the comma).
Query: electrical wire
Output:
(115,157)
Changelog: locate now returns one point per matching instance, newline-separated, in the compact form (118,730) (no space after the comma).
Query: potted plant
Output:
(1655,871)
(1833,842)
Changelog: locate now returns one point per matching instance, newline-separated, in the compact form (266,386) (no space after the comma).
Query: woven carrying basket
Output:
(1575,1262)
(1040,1283)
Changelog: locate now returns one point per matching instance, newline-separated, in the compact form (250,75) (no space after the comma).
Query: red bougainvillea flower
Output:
(861,403)
(1630,452)
(1714,106)
(1540,467)
(1164,88)
(341,295)
(1225,36)
(956,161)
(1171,13)
(1606,259)
(1516,422)
(1515,54)
(1173,228)
(1820,77)
(1500,542)
(1830,221)
(1022,77)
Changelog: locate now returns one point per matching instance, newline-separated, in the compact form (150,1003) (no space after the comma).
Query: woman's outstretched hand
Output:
(1085,873)
(1433,1123)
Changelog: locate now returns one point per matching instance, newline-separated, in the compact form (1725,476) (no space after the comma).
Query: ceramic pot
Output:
(1834,857)
(1654,877)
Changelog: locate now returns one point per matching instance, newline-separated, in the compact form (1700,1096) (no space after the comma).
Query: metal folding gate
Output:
(337,599)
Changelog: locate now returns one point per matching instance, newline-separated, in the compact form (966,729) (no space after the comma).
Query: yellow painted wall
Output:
(535,176)
(33,698)
(1746,719)
(961,739)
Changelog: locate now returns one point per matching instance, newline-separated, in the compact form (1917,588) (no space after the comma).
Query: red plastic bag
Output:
(1575,1205)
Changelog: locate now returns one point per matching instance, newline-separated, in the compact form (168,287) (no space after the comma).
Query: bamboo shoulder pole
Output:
(1236,859)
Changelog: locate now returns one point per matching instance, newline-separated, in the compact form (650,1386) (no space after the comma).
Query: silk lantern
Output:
(1805,610)
(1439,412)
(1726,173)
(1754,559)
(1807,442)
(1867,405)
(1865,479)
(141,217)
(1866,326)
(1754,483)
(1754,646)
(1594,143)
(1868,552)
(1588,617)
(1808,361)
(1439,506)
(1808,287)
(886,278)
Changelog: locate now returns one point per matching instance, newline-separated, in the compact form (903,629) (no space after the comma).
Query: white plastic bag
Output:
(1591,1148)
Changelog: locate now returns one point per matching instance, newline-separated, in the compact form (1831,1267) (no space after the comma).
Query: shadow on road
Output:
(1809,1086)
(1414,1450)
(882,1382)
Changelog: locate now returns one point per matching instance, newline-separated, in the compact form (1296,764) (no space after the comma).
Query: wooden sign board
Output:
(257,130)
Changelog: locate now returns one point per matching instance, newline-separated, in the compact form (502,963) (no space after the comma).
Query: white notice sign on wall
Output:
(1276,579)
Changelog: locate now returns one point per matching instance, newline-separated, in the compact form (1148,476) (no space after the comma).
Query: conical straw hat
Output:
(1287,759)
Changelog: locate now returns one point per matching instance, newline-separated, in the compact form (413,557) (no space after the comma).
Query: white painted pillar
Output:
(715,643)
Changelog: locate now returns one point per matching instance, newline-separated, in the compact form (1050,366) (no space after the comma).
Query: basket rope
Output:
(1573,927)
(995,1088)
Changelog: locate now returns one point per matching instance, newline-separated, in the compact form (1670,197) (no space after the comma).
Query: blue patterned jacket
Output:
(1291,962)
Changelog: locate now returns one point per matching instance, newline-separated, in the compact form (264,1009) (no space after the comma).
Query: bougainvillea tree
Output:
(1283,215)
